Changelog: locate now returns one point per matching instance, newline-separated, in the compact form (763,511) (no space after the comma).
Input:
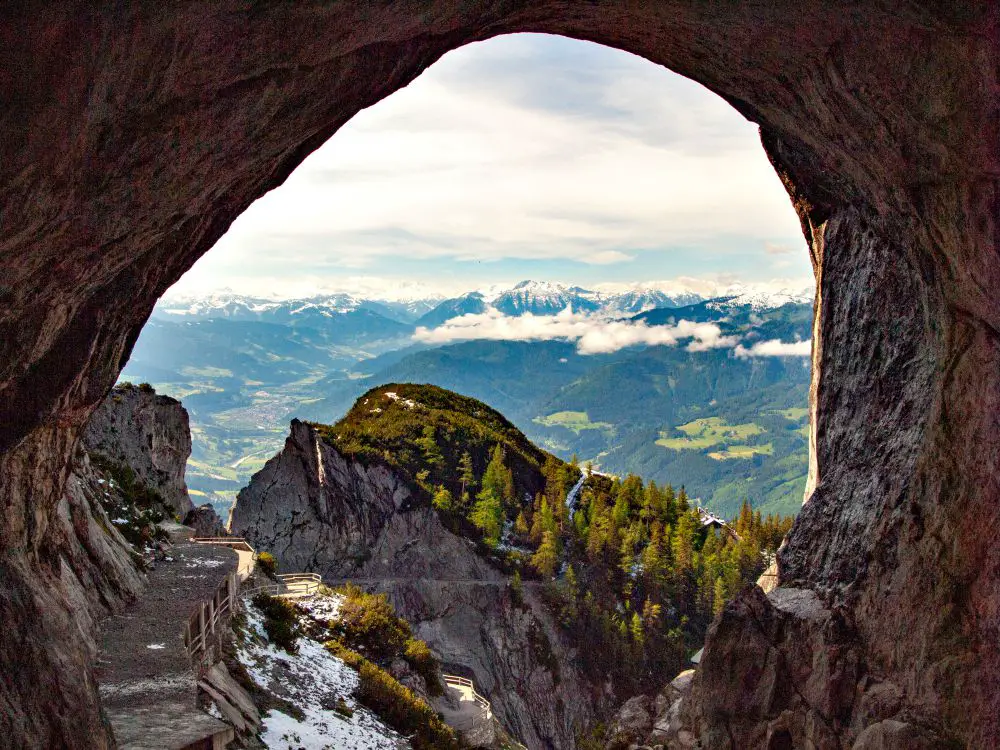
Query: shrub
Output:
(419,657)
(267,563)
(351,658)
(146,388)
(403,710)
(281,621)
(369,624)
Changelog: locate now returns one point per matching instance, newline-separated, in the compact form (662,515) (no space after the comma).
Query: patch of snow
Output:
(120,521)
(206,563)
(322,608)
(311,680)
(156,646)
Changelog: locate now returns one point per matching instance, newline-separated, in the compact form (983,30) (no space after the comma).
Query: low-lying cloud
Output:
(592,335)
(776,348)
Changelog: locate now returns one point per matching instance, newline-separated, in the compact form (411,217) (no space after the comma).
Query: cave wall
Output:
(132,135)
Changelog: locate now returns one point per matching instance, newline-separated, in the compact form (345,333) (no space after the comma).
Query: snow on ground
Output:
(322,608)
(316,682)
(205,563)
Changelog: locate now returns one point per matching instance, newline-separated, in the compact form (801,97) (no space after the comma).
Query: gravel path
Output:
(143,670)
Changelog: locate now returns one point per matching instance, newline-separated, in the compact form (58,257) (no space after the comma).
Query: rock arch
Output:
(134,134)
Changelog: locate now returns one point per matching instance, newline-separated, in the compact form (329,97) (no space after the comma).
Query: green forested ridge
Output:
(627,566)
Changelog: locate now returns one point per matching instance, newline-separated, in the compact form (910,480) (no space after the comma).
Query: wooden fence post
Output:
(201,626)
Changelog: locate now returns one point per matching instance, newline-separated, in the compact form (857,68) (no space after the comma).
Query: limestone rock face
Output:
(133,134)
(316,510)
(205,521)
(148,433)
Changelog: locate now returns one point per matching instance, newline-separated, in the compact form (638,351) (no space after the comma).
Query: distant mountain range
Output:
(526,297)
(726,424)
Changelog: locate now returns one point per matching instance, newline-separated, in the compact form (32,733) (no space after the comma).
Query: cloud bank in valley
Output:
(776,348)
(594,335)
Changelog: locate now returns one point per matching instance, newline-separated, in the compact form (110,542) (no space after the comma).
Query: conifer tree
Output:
(521,525)
(638,632)
(443,499)
(487,515)
(718,596)
(429,448)
(466,475)
(498,479)
(546,559)
(683,504)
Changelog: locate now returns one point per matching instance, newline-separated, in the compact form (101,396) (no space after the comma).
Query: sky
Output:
(525,156)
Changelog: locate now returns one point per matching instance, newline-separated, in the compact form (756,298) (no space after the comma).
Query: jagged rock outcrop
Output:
(151,435)
(317,510)
(205,521)
(134,134)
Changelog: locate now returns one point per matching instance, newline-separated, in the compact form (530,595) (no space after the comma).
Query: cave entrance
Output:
(128,162)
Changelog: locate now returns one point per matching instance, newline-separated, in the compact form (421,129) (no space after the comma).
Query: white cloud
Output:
(776,348)
(592,335)
(524,147)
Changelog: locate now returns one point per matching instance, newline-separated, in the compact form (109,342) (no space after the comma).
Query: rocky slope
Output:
(317,510)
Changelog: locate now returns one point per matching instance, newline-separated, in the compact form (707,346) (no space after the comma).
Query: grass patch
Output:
(742,451)
(577,421)
(707,432)
(794,414)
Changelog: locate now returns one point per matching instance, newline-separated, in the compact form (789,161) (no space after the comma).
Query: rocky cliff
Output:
(317,510)
(131,459)
(150,434)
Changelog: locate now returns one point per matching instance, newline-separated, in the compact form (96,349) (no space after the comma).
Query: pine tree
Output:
(546,559)
(718,596)
(638,632)
(429,447)
(443,499)
(487,515)
(521,527)
(683,504)
(466,475)
(498,479)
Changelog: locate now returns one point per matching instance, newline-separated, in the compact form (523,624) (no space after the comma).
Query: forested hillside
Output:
(632,570)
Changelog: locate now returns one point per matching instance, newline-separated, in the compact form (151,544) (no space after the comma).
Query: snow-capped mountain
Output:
(763,300)
(640,300)
(549,298)
(526,297)
(234,306)
(473,303)
(544,298)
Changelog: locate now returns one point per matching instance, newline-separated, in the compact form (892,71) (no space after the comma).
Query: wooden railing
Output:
(239,544)
(204,626)
(451,679)
(288,584)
